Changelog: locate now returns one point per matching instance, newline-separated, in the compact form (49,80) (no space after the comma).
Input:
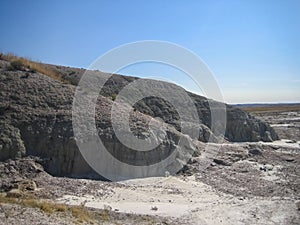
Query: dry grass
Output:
(79,212)
(105,215)
(45,206)
(32,66)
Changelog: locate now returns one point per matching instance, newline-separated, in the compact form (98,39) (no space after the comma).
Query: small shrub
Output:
(105,215)
(114,96)
(16,65)
(81,213)
(32,70)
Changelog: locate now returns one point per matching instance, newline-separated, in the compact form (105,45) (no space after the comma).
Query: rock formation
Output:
(36,119)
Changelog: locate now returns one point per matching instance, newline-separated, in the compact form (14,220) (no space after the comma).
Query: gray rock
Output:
(266,167)
(288,158)
(11,144)
(255,151)
(36,120)
(221,162)
(297,205)
(27,185)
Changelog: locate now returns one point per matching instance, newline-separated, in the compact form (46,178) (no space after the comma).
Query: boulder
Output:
(255,151)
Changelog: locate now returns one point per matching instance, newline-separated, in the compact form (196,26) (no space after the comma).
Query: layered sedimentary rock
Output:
(36,119)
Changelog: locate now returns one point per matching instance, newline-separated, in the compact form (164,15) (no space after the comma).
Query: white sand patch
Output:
(172,197)
(281,125)
(190,201)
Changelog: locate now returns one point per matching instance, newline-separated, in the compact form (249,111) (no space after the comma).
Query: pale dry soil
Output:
(191,203)
(188,200)
(247,189)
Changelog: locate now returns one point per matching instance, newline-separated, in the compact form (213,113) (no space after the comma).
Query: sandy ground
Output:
(192,202)
(241,188)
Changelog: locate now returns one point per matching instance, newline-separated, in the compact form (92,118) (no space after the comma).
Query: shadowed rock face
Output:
(36,119)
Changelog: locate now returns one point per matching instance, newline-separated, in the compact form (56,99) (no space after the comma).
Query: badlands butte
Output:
(252,179)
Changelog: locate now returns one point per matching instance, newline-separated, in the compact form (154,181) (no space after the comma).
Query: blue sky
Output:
(252,47)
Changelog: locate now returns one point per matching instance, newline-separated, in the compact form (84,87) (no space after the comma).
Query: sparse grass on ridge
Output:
(79,212)
(16,63)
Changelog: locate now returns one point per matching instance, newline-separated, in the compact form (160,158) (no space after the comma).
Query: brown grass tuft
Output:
(45,206)
(79,212)
(18,62)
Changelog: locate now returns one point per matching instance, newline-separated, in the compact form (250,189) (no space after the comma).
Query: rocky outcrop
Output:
(11,144)
(36,119)
(240,125)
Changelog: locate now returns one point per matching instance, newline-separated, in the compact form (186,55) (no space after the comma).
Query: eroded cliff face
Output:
(240,125)
(36,119)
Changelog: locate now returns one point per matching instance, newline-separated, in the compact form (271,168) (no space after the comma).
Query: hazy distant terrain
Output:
(256,108)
